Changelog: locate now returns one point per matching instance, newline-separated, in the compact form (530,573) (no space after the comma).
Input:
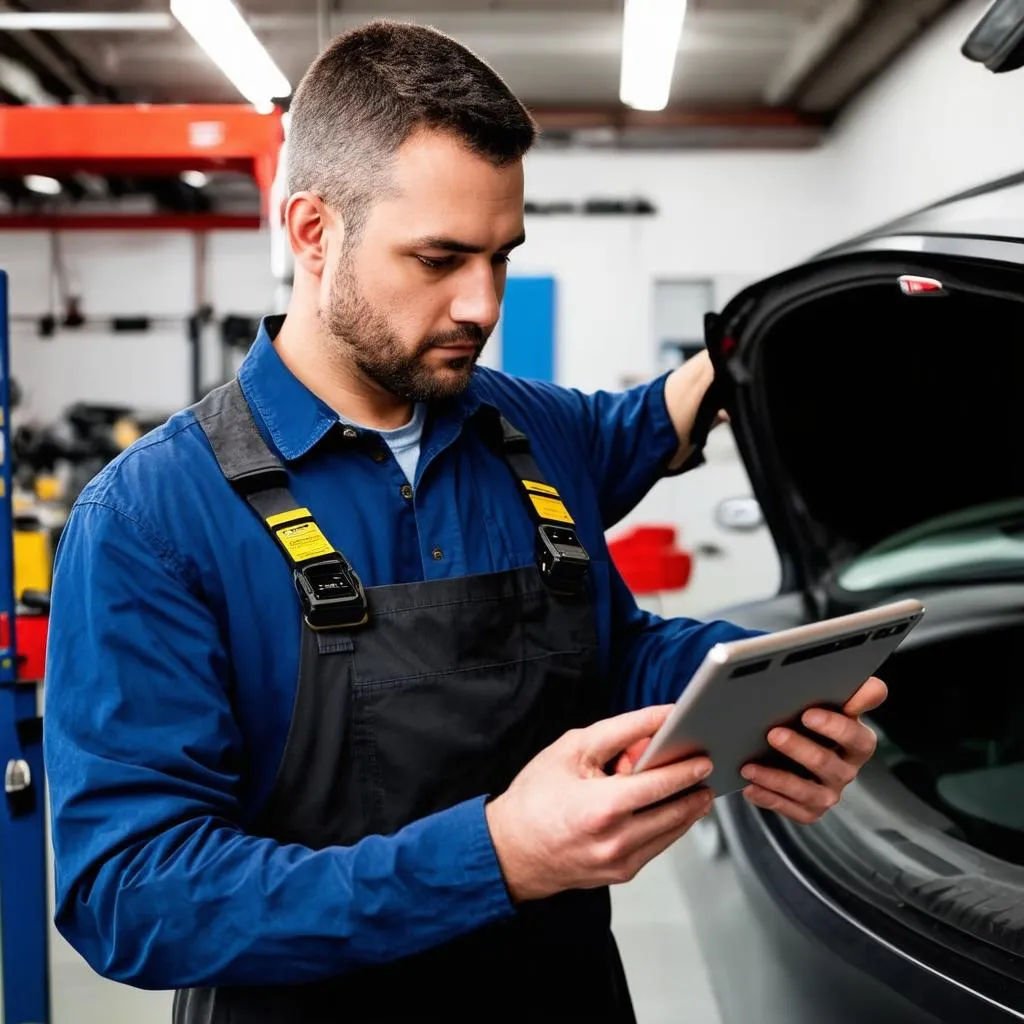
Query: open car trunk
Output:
(883,435)
(862,412)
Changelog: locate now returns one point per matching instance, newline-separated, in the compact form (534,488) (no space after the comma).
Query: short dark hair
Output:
(376,85)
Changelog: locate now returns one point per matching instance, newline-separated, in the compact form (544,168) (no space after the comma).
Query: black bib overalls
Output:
(446,691)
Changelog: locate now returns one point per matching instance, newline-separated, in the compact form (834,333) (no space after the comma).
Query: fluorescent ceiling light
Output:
(195,178)
(43,185)
(219,28)
(650,39)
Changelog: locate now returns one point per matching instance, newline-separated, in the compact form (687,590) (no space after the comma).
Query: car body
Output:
(877,398)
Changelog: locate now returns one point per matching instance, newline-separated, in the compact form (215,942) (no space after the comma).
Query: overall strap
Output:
(561,558)
(329,589)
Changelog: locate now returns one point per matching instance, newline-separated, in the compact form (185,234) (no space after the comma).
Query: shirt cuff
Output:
(481,869)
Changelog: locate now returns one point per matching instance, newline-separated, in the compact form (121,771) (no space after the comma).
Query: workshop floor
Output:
(655,933)
(652,926)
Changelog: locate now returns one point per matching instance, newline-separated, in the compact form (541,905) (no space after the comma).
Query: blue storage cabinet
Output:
(528,328)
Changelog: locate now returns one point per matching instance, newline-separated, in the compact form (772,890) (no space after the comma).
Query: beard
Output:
(368,339)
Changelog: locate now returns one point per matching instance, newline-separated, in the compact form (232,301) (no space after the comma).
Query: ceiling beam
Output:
(568,118)
(819,39)
(874,43)
(679,127)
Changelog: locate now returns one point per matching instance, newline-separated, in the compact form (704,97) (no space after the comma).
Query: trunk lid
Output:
(877,398)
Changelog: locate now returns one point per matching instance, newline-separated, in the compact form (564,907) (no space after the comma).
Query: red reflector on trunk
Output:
(913,285)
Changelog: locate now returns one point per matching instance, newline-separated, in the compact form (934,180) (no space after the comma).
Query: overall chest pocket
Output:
(452,699)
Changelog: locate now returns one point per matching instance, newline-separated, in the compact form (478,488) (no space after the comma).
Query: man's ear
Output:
(306,220)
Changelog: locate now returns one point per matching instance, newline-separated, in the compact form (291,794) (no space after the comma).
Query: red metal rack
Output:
(139,141)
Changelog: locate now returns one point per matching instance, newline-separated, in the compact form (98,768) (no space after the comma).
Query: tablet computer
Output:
(743,689)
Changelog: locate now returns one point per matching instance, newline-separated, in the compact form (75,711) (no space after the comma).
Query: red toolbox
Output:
(649,561)
(32,631)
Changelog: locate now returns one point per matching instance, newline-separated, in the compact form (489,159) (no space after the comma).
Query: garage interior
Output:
(142,241)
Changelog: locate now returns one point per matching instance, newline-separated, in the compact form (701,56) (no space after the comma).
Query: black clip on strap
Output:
(562,560)
(331,594)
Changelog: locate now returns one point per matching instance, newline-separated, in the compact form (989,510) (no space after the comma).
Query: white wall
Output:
(123,274)
(932,125)
(728,217)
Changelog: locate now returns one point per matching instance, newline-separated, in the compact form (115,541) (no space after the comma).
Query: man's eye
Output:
(436,264)
(503,257)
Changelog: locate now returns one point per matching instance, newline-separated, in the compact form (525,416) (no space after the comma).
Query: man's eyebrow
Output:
(452,245)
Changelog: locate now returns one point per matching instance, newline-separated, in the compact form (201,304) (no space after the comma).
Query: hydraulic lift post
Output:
(24,915)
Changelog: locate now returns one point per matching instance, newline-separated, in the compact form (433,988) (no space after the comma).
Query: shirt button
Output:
(407,492)
(379,455)
(438,554)
(349,432)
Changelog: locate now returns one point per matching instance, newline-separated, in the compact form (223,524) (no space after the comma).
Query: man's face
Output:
(414,301)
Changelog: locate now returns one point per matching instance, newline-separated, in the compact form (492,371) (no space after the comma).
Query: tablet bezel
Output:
(724,659)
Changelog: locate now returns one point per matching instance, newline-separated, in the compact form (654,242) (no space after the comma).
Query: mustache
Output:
(471,334)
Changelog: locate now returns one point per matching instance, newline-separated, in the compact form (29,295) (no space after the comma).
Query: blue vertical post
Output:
(23,903)
(528,328)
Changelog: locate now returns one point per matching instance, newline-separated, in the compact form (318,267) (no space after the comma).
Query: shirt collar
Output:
(296,419)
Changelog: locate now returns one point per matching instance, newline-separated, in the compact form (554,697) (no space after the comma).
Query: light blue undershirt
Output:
(405,441)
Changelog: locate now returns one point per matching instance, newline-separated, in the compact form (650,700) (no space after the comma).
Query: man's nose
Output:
(477,300)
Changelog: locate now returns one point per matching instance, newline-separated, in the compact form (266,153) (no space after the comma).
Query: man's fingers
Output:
(827,765)
(782,805)
(634,792)
(605,739)
(648,827)
(626,763)
(785,784)
(636,750)
(660,842)
(870,696)
(856,740)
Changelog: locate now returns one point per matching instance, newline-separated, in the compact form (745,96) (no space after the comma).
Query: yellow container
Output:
(33,561)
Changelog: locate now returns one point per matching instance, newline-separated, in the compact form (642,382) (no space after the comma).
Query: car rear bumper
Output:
(781,950)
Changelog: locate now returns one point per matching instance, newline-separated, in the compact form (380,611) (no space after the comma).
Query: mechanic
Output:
(343,686)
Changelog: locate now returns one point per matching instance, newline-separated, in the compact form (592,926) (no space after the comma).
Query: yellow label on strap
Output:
(552,509)
(304,541)
(532,485)
(288,517)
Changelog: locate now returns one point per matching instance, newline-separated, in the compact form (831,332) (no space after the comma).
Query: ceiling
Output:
(749,72)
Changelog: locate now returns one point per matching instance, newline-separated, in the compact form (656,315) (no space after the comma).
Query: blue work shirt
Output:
(173,657)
